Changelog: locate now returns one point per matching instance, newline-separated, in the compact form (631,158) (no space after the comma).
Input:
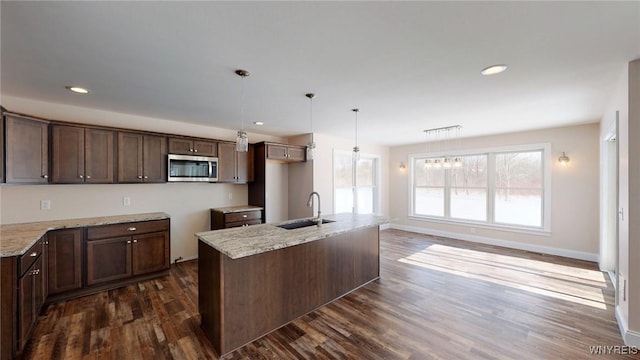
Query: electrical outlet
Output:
(230,196)
(45,204)
(126,201)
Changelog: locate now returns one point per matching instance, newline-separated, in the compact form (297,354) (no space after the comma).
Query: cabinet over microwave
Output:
(192,168)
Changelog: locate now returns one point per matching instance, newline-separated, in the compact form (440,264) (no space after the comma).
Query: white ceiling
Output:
(408,66)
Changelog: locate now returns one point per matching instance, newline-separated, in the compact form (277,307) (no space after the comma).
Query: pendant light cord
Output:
(242,102)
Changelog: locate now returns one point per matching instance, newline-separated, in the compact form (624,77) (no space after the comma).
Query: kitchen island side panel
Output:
(263,292)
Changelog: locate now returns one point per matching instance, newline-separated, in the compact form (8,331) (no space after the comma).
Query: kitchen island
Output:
(253,280)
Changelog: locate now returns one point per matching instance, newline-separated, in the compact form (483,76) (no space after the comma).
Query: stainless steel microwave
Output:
(192,168)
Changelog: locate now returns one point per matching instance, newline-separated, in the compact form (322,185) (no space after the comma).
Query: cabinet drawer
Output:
(242,216)
(126,229)
(30,256)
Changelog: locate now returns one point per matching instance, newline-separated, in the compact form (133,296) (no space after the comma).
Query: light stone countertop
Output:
(16,239)
(241,208)
(256,239)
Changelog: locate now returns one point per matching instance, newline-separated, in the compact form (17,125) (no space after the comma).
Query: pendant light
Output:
(242,140)
(311,146)
(428,163)
(457,161)
(356,148)
(447,163)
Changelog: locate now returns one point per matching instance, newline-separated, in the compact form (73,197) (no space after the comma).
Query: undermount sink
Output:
(303,223)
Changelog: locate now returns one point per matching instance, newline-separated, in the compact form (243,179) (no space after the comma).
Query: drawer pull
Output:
(35,272)
(244,216)
(33,254)
(139,176)
(45,176)
(135,240)
(128,241)
(88,176)
(131,229)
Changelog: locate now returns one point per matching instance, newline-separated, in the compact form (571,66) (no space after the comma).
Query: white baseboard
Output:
(498,242)
(385,226)
(630,337)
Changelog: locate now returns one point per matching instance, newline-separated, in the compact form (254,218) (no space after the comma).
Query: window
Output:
(355,192)
(496,187)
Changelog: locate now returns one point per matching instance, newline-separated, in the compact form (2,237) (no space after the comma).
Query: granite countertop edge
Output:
(240,208)
(16,239)
(237,243)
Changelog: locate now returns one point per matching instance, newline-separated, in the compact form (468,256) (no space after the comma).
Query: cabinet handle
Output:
(146,177)
(196,150)
(135,240)
(132,229)
(139,176)
(244,216)
(190,150)
(128,241)
(81,177)
(88,176)
(35,271)
(45,176)
(33,254)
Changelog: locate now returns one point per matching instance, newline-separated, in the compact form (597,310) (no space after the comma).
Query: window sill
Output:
(482,225)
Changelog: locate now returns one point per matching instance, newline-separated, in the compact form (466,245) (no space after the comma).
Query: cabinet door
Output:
(27,146)
(180,146)
(68,154)
(130,157)
(295,153)
(227,162)
(108,259)
(65,260)
(244,166)
(30,299)
(276,152)
(205,148)
(150,252)
(155,158)
(98,156)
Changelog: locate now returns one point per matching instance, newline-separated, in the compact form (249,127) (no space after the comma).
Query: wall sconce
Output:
(563,159)
(402,165)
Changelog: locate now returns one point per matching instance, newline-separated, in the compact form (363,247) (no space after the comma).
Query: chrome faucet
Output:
(310,204)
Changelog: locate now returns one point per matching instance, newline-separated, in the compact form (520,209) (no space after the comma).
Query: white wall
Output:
(633,254)
(574,193)
(187,204)
(323,169)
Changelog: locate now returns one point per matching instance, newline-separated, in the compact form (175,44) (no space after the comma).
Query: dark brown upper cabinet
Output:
(82,155)
(234,166)
(287,153)
(187,146)
(141,158)
(27,150)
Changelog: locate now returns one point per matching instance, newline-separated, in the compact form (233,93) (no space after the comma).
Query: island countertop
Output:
(256,239)
(15,239)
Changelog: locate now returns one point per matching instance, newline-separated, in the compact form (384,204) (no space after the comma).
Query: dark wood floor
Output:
(436,299)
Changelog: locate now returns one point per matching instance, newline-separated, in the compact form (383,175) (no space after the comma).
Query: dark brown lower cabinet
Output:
(30,299)
(65,260)
(150,253)
(108,259)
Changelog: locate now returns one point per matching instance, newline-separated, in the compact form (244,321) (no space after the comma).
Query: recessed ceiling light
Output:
(259,123)
(493,69)
(77,89)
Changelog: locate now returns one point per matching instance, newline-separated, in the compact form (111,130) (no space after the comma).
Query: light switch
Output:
(126,201)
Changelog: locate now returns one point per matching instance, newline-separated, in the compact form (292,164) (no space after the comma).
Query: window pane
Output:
(518,207)
(470,204)
(365,200)
(427,176)
(364,172)
(342,170)
(429,201)
(519,170)
(344,200)
(472,173)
